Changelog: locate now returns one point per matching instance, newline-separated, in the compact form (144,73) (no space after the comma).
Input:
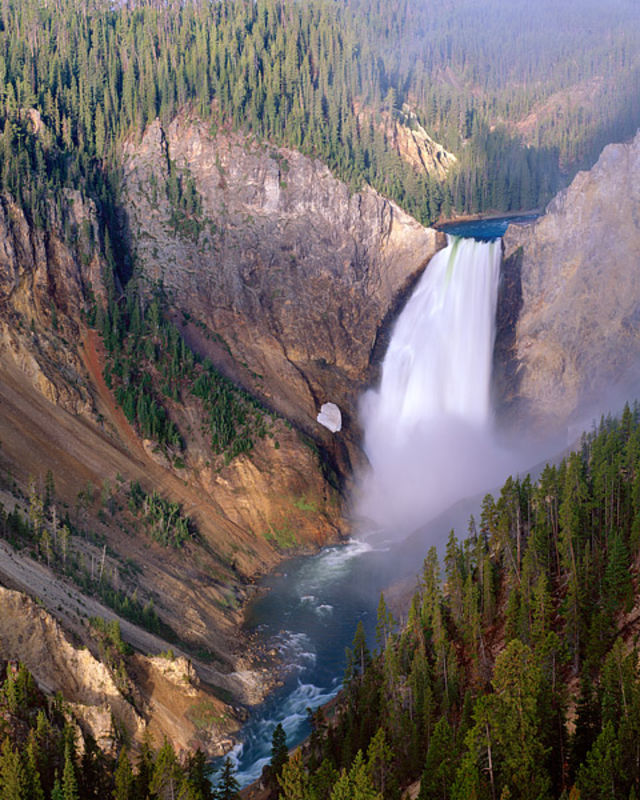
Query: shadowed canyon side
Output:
(288,277)
(569,315)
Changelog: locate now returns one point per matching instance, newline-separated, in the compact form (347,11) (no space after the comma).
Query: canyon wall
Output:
(288,282)
(294,276)
(569,321)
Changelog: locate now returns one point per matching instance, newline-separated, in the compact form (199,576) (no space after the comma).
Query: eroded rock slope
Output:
(286,281)
(293,272)
(570,327)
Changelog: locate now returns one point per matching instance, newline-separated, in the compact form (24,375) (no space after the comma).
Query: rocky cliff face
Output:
(161,694)
(288,283)
(46,284)
(291,276)
(57,416)
(569,338)
(415,145)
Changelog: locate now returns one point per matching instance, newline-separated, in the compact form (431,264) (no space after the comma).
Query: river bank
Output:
(479,216)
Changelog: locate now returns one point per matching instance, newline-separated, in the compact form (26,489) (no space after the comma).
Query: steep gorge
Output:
(288,283)
(288,286)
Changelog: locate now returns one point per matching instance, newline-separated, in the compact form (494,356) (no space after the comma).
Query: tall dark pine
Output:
(279,754)
(227,788)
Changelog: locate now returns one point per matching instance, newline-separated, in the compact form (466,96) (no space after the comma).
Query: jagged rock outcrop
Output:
(31,635)
(162,694)
(569,338)
(46,284)
(415,145)
(294,273)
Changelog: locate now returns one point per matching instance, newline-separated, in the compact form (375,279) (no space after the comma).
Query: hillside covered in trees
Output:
(516,674)
(42,757)
(522,94)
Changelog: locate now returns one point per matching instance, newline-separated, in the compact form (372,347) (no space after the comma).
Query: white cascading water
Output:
(428,425)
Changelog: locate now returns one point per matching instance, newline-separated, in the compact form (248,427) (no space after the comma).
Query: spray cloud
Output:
(428,428)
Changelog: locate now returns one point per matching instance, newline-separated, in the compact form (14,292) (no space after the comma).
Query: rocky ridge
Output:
(416,147)
(569,330)
(163,695)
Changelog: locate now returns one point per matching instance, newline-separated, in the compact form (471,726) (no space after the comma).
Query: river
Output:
(309,613)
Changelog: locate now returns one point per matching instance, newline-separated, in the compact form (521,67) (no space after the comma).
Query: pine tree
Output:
(516,721)
(123,778)
(440,766)
(355,783)
(69,779)
(167,774)
(13,783)
(145,767)
(358,657)
(617,578)
(294,780)
(56,792)
(198,775)
(384,625)
(227,786)
(598,777)
(33,783)
(279,753)
(379,761)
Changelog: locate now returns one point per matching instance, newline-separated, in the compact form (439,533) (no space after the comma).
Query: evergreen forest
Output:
(515,675)
(41,756)
(517,672)
(522,94)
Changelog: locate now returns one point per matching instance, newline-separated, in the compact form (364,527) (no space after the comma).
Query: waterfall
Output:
(428,425)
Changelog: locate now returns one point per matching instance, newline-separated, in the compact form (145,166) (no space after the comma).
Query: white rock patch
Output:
(330,417)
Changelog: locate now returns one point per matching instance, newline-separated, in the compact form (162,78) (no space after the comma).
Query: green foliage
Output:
(150,367)
(227,785)
(474,693)
(294,781)
(439,768)
(40,758)
(355,783)
(69,779)
(124,780)
(112,650)
(63,557)
(163,518)
(323,77)
(279,754)
(12,777)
